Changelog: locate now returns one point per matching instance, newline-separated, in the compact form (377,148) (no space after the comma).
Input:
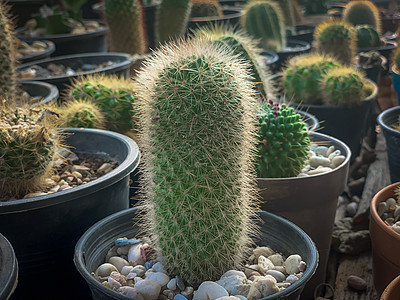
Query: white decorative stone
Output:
(130,292)
(228,298)
(291,279)
(118,262)
(134,254)
(126,270)
(148,288)
(160,277)
(264,251)
(105,270)
(187,292)
(158,267)
(252,268)
(337,160)
(209,290)
(262,287)
(231,283)
(276,259)
(319,170)
(172,284)
(233,272)
(265,264)
(139,270)
(316,161)
(322,150)
(292,264)
(333,154)
(279,276)
(330,150)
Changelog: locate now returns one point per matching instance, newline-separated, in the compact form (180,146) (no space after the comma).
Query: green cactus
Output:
(301,77)
(82,113)
(7,54)
(241,45)
(197,109)
(172,19)
(206,8)
(367,37)
(343,86)
(336,38)
(283,142)
(264,20)
(360,12)
(28,142)
(292,13)
(125,22)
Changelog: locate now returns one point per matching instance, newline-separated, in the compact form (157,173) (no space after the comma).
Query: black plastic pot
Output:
(22,10)
(271,59)
(374,72)
(385,50)
(44,230)
(303,33)
(40,55)
(120,66)
(231,16)
(386,120)
(47,91)
(309,202)
(294,48)
(8,269)
(310,120)
(276,232)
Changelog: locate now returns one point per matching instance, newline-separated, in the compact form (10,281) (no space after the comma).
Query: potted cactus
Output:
(396,72)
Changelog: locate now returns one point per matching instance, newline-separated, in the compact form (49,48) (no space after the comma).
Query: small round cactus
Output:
(283,142)
(343,86)
(367,37)
(206,8)
(360,12)
(82,113)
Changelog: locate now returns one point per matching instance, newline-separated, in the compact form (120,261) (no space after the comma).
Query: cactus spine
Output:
(360,12)
(283,142)
(264,20)
(367,37)
(206,8)
(336,38)
(197,110)
(125,21)
(81,113)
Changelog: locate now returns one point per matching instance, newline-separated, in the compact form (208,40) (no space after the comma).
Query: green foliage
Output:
(283,142)
(206,8)
(367,37)
(360,12)
(197,110)
(81,113)
(264,20)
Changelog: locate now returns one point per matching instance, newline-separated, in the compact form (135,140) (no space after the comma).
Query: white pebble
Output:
(231,283)
(134,254)
(382,206)
(228,298)
(118,262)
(139,270)
(233,272)
(172,284)
(390,202)
(279,276)
(130,292)
(262,287)
(125,270)
(209,290)
(265,264)
(337,160)
(149,289)
(157,267)
(160,277)
(316,161)
(321,150)
(264,251)
(292,264)
(396,227)
(187,292)
(291,279)
(333,154)
(123,250)
(113,283)
(302,266)
(105,270)
(319,170)
(276,259)
(330,150)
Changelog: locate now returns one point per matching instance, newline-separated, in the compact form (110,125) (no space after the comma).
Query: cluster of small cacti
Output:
(361,12)
(125,22)
(81,113)
(197,110)
(264,20)
(28,142)
(367,37)
(206,8)
(284,142)
(336,38)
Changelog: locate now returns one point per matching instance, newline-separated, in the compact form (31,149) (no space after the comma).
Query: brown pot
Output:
(385,243)
(392,291)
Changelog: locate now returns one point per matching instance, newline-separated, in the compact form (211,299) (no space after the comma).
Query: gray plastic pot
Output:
(47,91)
(310,203)
(277,233)
(8,269)
(44,230)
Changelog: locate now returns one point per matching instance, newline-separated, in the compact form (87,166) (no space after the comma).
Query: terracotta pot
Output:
(392,291)
(385,243)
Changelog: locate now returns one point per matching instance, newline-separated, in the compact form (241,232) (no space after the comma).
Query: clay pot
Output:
(392,291)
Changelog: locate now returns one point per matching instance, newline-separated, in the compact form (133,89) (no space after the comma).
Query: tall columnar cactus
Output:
(172,19)
(360,12)
(264,20)
(28,141)
(367,37)
(245,47)
(82,113)
(283,142)
(7,51)
(336,38)
(302,75)
(197,117)
(125,21)
(343,86)
(206,8)
(291,11)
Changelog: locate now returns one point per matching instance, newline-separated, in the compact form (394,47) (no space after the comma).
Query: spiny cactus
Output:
(343,86)
(7,54)
(206,8)
(125,22)
(241,45)
(302,74)
(197,111)
(336,38)
(360,12)
(264,20)
(291,11)
(367,37)
(113,95)
(81,113)
(28,141)
(283,142)
(172,19)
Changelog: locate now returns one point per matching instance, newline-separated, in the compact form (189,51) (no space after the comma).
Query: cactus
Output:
(302,75)
(291,11)
(283,142)
(28,141)
(82,113)
(336,38)
(367,37)
(197,110)
(360,12)
(264,20)
(172,19)
(206,8)
(125,21)
(7,54)
(343,86)
(241,45)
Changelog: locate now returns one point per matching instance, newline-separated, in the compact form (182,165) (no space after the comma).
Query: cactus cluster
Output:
(367,37)
(81,113)
(336,38)
(361,12)
(284,142)
(197,110)
(28,142)
(264,20)
(125,22)
(205,8)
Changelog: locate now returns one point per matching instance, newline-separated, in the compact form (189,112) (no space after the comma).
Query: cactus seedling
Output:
(360,12)
(206,8)
(336,38)
(82,113)
(367,37)
(283,142)
(197,110)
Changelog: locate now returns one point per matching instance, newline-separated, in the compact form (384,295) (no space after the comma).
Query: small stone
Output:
(113,283)
(302,266)
(233,272)
(227,298)
(264,251)
(317,161)
(134,256)
(105,168)
(280,269)
(322,150)
(172,284)
(396,227)
(356,283)
(118,277)
(292,264)
(77,174)
(253,268)
(180,297)
(265,264)
(37,194)
(338,160)
(179,283)
(231,283)
(131,275)
(351,209)
(160,277)
(279,276)
(188,292)
(124,242)
(291,279)
(87,67)
(147,253)
(276,259)
(124,250)
(118,262)
(381,209)
(130,292)
(149,264)
(105,270)
(263,287)
(81,169)
(148,288)
(390,202)
(331,149)
(158,267)
(319,170)
(209,290)
(333,154)
(126,270)
(396,212)
(139,270)
(240,297)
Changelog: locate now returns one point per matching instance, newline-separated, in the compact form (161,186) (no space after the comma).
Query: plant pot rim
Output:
(391,286)
(395,70)
(382,57)
(31,57)
(79,259)
(374,213)
(341,166)
(62,36)
(272,54)
(104,55)
(124,168)
(54,93)
(389,45)
(10,261)
(237,13)
(304,46)
(386,126)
